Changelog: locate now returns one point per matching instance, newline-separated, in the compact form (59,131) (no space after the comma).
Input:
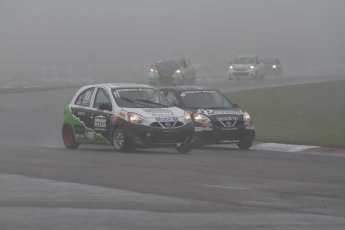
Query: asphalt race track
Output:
(44,186)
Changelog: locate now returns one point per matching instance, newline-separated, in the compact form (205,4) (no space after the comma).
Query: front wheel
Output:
(246,143)
(121,141)
(69,138)
(186,148)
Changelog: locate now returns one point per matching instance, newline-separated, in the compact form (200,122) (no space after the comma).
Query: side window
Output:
(102,97)
(188,63)
(171,97)
(79,98)
(85,97)
(184,63)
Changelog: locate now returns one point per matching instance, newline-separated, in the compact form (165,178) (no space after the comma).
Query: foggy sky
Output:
(115,39)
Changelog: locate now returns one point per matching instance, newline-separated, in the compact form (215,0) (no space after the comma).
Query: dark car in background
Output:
(216,119)
(273,67)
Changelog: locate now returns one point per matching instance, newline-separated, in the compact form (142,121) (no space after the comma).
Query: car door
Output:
(80,109)
(101,118)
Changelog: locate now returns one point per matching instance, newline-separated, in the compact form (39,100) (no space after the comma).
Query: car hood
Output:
(157,112)
(218,113)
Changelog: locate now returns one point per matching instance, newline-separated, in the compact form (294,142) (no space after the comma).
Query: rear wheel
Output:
(121,141)
(69,138)
(185,148)
(246,143)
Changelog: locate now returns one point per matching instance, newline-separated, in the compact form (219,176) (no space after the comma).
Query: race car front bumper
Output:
(148,136)
(223,135)
(249,73)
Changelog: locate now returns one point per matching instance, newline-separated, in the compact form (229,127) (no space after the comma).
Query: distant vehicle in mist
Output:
(246,67)
(175,71)
(273,67)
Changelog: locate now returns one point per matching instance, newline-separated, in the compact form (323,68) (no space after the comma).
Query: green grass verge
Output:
(309,114)
(35,89)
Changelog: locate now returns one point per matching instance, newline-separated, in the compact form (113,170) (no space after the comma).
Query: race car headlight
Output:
(231,67)
(178,71)
(136,118)
(251,67)
(246,116)
(188,117)
(201,118)
(152,70)
(274,66)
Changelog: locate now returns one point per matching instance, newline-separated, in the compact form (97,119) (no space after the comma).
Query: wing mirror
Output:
(105,106)
(236,106)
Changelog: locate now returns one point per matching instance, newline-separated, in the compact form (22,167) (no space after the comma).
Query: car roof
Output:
(183,88)
(172,59)
(120,85)
(249,55)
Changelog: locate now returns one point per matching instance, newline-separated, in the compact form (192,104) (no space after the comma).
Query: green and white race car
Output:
(126,116)
(175,71)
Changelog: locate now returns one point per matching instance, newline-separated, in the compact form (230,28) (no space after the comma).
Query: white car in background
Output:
(246,67)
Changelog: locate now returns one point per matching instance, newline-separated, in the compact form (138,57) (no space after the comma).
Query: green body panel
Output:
(70,119)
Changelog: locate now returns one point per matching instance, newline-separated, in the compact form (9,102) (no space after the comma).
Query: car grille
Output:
(232,124)
(240,74)
(165,73)
(166,124)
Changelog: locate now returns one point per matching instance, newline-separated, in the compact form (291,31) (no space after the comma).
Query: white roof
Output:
(119,85)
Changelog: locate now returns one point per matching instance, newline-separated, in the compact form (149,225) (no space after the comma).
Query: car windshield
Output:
(244,60)
(169,65)
(205,99)
(140,98)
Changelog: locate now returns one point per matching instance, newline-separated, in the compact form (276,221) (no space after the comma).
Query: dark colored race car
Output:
(216,119)
(126,116)
(273,67)
(172,71)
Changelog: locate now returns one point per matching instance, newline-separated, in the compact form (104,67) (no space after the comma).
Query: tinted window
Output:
(245,60)
(102,97)
(207,99)
(169,65)
(85,97)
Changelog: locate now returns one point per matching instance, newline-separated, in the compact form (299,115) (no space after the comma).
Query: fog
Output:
(119,40)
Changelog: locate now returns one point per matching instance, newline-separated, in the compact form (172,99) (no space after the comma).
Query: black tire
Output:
(186,148)
(121,140)
(68,137)
(246,143)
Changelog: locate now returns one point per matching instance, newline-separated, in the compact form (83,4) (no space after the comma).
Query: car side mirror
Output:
(236,106)
(105,106)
